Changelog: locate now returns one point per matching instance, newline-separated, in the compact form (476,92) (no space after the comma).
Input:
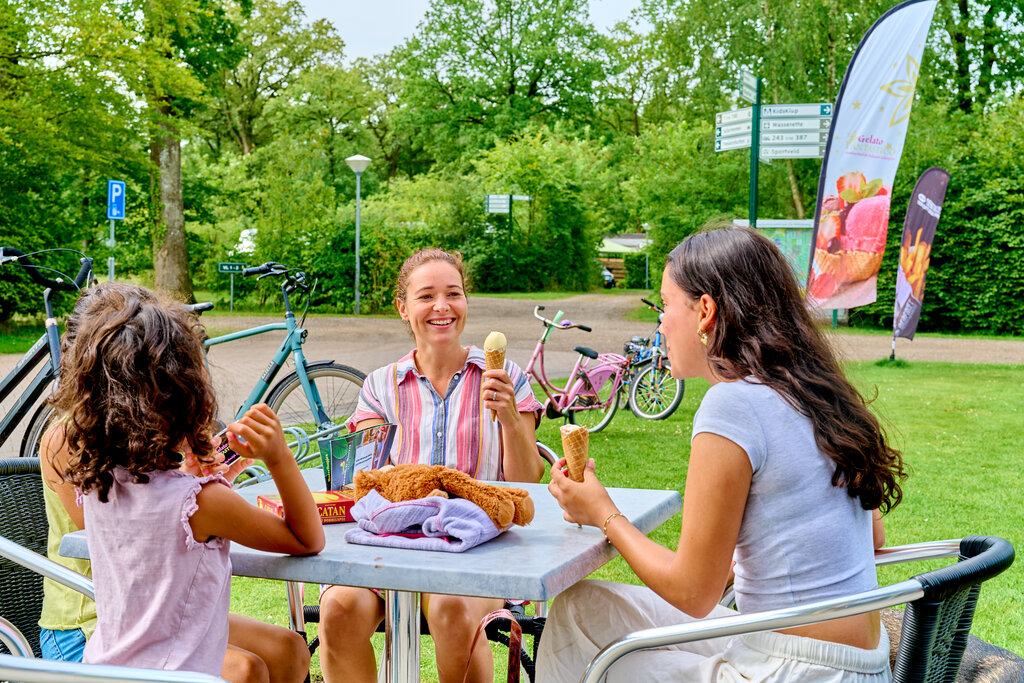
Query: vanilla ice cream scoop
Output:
(495,342)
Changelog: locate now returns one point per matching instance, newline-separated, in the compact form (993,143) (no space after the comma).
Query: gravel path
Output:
(368,343)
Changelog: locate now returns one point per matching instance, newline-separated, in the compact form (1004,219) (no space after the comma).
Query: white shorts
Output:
(592,614)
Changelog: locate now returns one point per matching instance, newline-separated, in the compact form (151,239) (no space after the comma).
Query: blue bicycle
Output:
(317,398)
(653,393)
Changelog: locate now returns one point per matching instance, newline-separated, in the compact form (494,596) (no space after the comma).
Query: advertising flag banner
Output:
(865,142)
(916,248)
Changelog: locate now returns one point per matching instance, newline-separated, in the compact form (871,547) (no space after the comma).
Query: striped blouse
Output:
(453,430)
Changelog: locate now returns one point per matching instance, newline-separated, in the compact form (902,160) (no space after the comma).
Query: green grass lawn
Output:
(958,426)
(19,337)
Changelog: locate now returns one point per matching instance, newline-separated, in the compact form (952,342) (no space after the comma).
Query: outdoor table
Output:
(536,562)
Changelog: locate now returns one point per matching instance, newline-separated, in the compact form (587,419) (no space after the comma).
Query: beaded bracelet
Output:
(610,517)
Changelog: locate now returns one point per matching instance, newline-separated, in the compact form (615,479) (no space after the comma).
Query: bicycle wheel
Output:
(655,394)
(37,427)
(338,386)
(586,410)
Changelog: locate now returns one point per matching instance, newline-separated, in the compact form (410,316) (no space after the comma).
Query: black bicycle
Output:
(46,351)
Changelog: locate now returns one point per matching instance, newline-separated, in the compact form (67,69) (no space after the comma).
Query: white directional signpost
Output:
(502,203)
(231,268)
(785,131)
(115,212)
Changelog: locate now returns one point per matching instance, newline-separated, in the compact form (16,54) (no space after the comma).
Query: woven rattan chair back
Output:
(936,627)
(22,520)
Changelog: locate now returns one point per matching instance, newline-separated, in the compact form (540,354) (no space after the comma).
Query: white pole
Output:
(358,175)
(110,259)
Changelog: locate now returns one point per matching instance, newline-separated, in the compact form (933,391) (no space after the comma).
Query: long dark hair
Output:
(763,329)
(133,387)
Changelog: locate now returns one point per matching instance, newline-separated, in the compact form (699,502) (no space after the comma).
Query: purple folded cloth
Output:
(449,524)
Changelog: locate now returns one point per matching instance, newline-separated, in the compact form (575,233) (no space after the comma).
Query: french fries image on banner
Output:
(914,259)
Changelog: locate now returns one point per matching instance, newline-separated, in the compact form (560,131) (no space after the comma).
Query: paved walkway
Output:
(367,343)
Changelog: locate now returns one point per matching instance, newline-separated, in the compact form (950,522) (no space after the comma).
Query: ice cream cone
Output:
(859,265)
(575,443)
(494,355)
(827,263)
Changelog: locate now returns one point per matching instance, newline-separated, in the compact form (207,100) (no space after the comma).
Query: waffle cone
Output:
(860,265)
(495,360)
(575,443)
(827,263)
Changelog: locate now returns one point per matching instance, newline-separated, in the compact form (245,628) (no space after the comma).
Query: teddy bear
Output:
(505,505)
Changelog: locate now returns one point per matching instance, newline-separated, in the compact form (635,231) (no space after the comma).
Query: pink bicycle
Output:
(591,393)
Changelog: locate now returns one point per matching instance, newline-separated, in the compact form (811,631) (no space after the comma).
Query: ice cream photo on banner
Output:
(851,235)
(866,140)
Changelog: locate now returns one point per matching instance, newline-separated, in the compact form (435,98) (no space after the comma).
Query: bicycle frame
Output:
(28,398)
(292,345)
(580,378)
(47,345)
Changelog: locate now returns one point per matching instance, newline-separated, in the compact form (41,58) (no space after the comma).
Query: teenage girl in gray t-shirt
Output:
(787,468)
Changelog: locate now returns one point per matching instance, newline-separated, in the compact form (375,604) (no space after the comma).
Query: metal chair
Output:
(23,565)
(32,670)
(937,619)
(498,630)
(22,524)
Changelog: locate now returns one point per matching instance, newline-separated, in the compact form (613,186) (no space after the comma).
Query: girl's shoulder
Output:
(746,397)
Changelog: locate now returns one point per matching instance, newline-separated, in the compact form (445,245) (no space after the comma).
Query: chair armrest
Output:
(811,613)
(45,566)
(912,552)
(547,454)
(15,640)
(31,670)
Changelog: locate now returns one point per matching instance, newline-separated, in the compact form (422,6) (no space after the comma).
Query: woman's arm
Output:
(521,461)
(369,422)
(53,459)
(694,576)
(225,514)
(877,528)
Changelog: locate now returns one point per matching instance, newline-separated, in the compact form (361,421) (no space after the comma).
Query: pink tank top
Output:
(161,597)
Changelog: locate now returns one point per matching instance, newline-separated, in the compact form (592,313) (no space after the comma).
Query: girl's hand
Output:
(500,395)
(585,502)
(192,465)
(258,434)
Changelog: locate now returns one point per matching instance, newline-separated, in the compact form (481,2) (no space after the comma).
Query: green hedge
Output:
(976,274)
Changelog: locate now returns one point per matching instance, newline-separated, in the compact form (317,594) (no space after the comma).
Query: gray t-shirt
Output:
(801,539)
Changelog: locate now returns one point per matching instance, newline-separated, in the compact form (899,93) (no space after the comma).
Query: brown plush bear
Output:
(505,505)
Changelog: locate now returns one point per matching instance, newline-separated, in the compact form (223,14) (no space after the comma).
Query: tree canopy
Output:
(230,120)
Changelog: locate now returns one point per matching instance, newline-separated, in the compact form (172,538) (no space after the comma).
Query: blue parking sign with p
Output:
(115,199)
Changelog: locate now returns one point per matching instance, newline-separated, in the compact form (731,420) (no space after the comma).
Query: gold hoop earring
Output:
(703,336)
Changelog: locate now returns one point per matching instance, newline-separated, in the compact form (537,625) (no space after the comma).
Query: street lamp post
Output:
(358,164)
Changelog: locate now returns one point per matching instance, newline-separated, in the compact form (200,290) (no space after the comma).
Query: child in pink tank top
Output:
(135,393)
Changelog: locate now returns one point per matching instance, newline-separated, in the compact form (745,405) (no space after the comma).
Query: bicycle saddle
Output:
(589,353)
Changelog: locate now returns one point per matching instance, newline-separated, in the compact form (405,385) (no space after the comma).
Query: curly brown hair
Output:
(763,329)
(133,387)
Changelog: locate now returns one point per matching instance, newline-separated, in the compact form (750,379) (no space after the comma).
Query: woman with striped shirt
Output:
(441,397)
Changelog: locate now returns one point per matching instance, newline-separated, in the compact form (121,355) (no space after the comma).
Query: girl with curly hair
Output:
(786,473)
(134,396)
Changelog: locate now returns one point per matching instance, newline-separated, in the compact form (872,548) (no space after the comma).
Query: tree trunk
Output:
(794,187)
(988,55)
(170,248)
(957,28)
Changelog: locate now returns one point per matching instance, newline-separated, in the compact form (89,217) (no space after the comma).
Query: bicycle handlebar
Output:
(296,279)
(10,254)
(258,270)
(564,325)
(654,306)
